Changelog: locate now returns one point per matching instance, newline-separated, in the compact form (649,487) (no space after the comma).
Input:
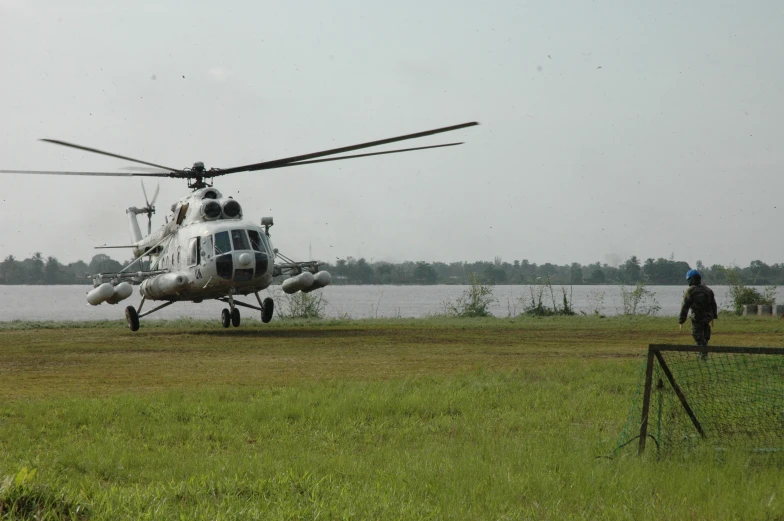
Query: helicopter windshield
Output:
(222,243)
(258,241)
(240,240)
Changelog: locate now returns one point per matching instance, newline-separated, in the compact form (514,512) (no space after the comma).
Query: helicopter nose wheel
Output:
(132,317)
(225,318)
(267,308)
(235,317)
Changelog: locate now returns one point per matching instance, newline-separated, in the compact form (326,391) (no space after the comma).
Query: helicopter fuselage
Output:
(206,251)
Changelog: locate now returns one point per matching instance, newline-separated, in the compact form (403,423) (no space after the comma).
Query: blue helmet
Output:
(692,273)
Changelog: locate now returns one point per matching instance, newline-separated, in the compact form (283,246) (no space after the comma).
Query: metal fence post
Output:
(646,399)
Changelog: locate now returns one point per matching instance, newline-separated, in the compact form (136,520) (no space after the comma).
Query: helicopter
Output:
(206,249)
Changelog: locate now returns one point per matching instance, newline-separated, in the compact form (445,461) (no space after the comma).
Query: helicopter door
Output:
(206,249)
(193,251)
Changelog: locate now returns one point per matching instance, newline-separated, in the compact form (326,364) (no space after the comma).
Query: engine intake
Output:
(232,209)
(211,210)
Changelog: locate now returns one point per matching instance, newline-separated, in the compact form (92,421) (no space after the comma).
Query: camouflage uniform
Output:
(703,307)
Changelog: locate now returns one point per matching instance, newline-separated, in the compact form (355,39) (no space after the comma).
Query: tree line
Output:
(659,271)
(40,270)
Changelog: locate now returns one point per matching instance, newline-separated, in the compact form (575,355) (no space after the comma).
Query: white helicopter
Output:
(206,250)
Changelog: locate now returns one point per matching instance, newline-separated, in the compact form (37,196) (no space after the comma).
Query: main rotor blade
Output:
(106,174)
(364,155)
(139,169)
(278,163)
(96,151)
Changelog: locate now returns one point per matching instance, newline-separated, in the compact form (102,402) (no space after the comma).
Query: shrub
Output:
(536,306)
(640,300)
(300,305)
(740,294)
(474,302)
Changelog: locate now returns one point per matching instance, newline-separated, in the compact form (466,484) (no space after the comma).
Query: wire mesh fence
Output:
(721,397)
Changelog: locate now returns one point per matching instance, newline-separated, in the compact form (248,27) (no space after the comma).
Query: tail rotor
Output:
(149,208)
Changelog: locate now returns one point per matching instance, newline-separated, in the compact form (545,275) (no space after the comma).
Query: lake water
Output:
(68,302)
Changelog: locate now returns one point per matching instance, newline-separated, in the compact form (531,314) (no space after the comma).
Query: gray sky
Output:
(608,128)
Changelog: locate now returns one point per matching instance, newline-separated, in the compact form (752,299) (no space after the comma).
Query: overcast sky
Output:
(608,128)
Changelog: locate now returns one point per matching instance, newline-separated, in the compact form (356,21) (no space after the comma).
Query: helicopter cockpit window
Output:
(222,243)
(258,241)
(240,240)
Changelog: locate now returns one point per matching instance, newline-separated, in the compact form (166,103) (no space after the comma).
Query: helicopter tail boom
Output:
(136,232)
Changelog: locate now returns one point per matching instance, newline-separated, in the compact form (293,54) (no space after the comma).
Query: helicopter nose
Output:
(245,259)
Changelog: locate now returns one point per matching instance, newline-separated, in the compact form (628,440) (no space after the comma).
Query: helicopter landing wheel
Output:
(267,309)
(225,318)
(132,317)
(235,317)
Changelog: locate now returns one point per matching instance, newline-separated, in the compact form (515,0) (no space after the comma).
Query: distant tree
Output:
(546,270)
(400,274)
(718,275)
(34,269)
(362,272)
(527,271)
(424,273)
(576,274)
(11,271)
(77,272)
(493,274)
(52,271)
(648,269)
(679,269)
(597,277)
(664,271)
(631,273)
(102,263)
(611,273)
(759,272)
(384,273)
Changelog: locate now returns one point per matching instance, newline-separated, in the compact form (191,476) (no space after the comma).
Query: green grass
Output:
(382,419)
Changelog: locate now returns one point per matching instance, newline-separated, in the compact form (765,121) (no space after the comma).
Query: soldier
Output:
(700,300)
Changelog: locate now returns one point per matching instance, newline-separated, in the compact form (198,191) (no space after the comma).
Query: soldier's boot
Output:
(703,354)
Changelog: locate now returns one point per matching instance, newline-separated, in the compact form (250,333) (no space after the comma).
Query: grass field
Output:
(384,419)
